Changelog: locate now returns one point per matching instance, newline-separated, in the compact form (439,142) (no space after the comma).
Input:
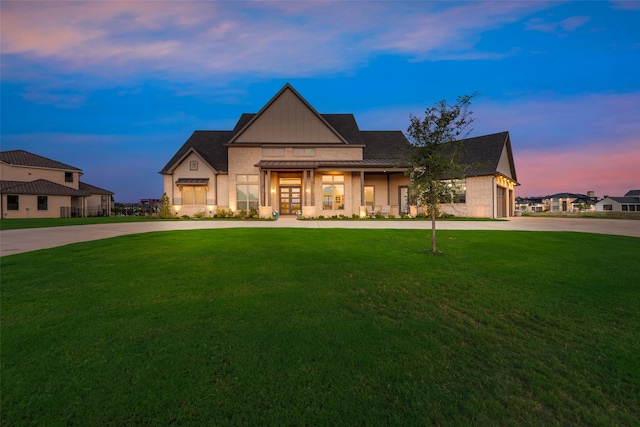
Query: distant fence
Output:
(72,212)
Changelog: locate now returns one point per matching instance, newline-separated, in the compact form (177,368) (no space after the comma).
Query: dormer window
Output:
(68,177)
(193,165)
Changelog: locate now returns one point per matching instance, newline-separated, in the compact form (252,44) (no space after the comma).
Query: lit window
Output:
(332,192)
(194,195)
(43,203)
(369,196)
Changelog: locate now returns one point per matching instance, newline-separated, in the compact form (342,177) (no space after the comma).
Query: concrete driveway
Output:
(31,239)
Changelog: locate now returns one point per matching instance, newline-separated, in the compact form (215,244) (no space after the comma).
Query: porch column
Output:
(269,187)
(362,188)
(215,188)
(304,188)
(313,187)
(261,187)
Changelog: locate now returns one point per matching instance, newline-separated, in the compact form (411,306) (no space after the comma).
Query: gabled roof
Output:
(209,144)
(482,155)
(25,158)
(40,187)
(287,88)
(93,189)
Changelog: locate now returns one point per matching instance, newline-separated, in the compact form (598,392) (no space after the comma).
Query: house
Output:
(629,203)
(570,202)
(287,157)
(33,186)
(530,204)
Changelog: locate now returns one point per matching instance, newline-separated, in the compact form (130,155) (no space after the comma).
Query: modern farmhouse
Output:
(290,159)
(33,186)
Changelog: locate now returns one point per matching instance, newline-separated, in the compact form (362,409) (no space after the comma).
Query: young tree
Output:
(437,141)
(165,207)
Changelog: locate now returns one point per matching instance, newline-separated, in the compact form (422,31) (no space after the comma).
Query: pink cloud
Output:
(606,169)
(253,37)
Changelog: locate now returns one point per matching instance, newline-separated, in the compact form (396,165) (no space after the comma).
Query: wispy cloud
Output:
(282,38)
(558,27)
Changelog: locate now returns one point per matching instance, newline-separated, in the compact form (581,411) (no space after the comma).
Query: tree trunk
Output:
(433,229)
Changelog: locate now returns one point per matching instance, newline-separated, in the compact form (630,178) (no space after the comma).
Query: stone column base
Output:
(265,212)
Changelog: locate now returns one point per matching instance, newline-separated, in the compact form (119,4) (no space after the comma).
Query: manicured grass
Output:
(323,327)
(14,224)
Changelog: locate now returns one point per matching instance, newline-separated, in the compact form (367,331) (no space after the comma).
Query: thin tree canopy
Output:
(437,141)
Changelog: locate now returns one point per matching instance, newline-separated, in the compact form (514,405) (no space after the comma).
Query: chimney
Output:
(591,194)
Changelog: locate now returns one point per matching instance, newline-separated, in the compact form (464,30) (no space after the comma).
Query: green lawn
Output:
(323,327)
(13,224)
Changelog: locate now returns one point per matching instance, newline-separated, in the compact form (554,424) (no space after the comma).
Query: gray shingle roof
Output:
(40,187)
(25,158)
(210,144)
(482,153)
(385,144)
(625,199)
(633,193)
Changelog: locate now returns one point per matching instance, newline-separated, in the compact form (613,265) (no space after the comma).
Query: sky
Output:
(116,87)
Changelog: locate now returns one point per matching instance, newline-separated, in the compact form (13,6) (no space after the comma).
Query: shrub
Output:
(320,216)
(391,216)
(221,213)
(378,215)
(253,212)
(185,217)
(198,214)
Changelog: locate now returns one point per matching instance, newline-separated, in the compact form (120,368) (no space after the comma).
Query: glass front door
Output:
(290,201)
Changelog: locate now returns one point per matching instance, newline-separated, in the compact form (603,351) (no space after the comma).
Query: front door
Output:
(290,201)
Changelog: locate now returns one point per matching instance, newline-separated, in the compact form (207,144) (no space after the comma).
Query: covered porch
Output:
(331,188)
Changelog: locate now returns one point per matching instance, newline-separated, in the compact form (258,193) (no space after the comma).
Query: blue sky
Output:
(116,87)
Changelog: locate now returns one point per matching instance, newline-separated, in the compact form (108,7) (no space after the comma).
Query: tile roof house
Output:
(33,186)
(288,158)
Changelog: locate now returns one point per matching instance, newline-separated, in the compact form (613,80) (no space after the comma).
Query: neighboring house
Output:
(629,203)
(570,202)
(33,186)
(289,158)
(530,204)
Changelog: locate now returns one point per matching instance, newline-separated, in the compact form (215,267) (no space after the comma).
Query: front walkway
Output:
(31,239)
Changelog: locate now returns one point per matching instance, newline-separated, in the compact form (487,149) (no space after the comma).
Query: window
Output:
(332,192)
(247,194)
(43,203)
(625,208)
(13,203)
(247,178)
(290,181)
(632,208)
(556,208)
(607,207)
(193,165)
(300,152)
(459,187)
(68,177)
(194,195)
(273,152)
(369,196)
